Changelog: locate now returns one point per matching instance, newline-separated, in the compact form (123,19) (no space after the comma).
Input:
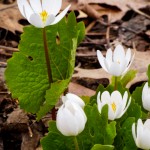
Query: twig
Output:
(108,32)
(9,48)
(90,26)
(139,12)
(3,63)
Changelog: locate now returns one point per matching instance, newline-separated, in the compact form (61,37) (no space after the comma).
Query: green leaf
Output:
(127,134)
(137,96)
(129,76)
(26,73)
(52,95)
(110,132)
(102,147)
(124,138)
(148,74)
(98,130)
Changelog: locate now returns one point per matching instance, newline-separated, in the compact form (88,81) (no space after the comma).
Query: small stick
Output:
(9,48)
(139,12)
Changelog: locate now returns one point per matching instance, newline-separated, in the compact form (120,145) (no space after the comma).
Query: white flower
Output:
(71,119)
(73,98)
(41,13)
(117,105)
(141,135)
(146,97)
(116,63)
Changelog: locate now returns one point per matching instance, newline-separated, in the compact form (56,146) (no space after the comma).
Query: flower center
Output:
(118,61)
(113,105)
(44,15)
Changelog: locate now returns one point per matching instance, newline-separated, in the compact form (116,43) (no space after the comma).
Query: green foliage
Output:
(26,73)
(124,138)
(102,147)
(129,76)
(148,74)
(137,96)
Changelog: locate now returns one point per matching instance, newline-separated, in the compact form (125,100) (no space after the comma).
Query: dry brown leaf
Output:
(121,4)
(80,90)
(9,17)
(115,9)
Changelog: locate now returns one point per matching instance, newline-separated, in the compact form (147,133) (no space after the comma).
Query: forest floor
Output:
(107,24)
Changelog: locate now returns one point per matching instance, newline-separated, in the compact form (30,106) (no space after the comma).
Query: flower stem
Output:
(115,85)
(76,143)
(49,71)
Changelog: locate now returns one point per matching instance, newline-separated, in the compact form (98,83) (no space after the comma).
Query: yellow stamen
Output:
(113,105)
(118,61)
(44,15)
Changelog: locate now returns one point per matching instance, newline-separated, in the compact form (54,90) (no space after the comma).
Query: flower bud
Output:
(141,134)
(73,98)
(146,97)
(70,119)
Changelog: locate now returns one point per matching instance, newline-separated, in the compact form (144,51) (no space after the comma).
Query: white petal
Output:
(125,109)
(119,53)
(76,99)
(105,97)
(123,66)
(109,56)
(146,97)
(111,114)
(50,20)
(124,101)
(36,5)
(116,97)
(25,8)
(145,139)
(35,20)
(52,6)
(139,131)
(99,104)
(147,124)
(61,15)
(128,55)
(115,69)
(80,119)
(134,133)
(101,60)
(129,64)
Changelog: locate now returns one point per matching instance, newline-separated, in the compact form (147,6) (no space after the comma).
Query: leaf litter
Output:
(107,22)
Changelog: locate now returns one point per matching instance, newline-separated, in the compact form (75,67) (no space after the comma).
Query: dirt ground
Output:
(107,24)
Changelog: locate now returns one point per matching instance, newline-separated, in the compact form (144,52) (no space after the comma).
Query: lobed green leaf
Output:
(26,73)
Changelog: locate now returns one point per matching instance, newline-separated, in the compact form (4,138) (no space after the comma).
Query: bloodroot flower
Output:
(71,119)
(116,63)
(117,105)
(141,134)
(146,97)
(73,98)
(42,13)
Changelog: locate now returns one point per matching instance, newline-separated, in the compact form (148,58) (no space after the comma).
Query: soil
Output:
(20,130)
